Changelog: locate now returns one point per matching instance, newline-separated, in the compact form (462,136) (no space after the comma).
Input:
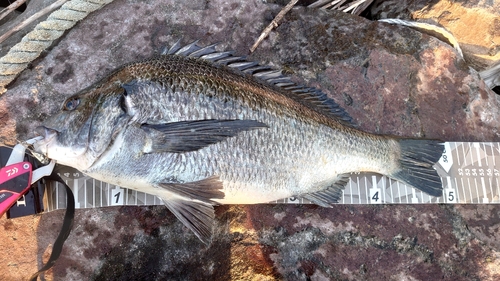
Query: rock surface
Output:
(392,80)
(475,24)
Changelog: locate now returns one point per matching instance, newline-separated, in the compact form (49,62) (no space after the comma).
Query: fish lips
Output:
(68,154)
(53,149)
(49,136)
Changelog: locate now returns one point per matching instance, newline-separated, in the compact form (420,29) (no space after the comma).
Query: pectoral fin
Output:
(187,136)
(192,204)
(329,196)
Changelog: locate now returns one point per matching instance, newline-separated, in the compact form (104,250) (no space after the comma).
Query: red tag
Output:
(15,180)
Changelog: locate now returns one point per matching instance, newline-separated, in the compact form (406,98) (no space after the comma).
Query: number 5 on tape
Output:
(450,192)
(117,196)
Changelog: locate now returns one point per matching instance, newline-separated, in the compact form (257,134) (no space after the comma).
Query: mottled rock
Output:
(391,79)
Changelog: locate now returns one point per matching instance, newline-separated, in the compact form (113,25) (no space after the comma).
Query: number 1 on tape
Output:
(117,196)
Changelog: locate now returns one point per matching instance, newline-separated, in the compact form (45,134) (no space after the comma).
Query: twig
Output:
(361,8)
(11,8)
(31,19)
(273,24)
(319,4)
(353,6)
(334,5)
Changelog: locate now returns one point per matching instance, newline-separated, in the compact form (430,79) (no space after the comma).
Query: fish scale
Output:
(197,127)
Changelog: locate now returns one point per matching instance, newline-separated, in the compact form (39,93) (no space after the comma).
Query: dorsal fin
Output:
(306,95)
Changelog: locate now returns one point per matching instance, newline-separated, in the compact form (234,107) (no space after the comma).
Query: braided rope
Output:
(42,36)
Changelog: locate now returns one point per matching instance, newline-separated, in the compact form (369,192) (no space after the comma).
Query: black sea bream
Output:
(197,128)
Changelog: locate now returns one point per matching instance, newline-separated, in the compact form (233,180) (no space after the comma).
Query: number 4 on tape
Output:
(117,196)
(375,192)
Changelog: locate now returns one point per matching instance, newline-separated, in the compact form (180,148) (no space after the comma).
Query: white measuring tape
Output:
(470,172)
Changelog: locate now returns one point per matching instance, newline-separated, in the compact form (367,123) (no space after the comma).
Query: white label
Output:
(375,192)
(414,198)
(117,194)
(450,194)
(75,191)
(446,160)
(476,145)
(485,199)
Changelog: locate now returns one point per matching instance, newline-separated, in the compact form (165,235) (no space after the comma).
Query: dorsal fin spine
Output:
(308,95)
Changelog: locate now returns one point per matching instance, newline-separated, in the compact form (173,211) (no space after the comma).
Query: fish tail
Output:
(416,165)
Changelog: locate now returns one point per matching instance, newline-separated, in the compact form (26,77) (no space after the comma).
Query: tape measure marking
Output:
(469,173)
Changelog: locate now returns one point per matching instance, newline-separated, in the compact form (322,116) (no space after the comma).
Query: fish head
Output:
(85,126)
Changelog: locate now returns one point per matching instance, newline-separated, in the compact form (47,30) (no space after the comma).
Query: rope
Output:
(42,36)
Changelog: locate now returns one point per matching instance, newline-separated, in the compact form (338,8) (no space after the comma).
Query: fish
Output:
(199,127)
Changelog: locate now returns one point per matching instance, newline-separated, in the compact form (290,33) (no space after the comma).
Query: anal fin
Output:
(329,196)
(192,204)
(197,216)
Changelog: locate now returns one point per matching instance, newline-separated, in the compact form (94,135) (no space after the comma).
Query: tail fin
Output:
(417,158)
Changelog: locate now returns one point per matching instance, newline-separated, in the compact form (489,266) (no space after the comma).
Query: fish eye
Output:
(71,104)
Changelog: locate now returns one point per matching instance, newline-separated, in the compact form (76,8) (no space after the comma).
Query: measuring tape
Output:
(469,171)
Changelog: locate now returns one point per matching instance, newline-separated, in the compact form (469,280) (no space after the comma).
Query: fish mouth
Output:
(49,135)
(64,154)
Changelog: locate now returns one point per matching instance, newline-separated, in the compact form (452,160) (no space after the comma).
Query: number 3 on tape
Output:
(117,196)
